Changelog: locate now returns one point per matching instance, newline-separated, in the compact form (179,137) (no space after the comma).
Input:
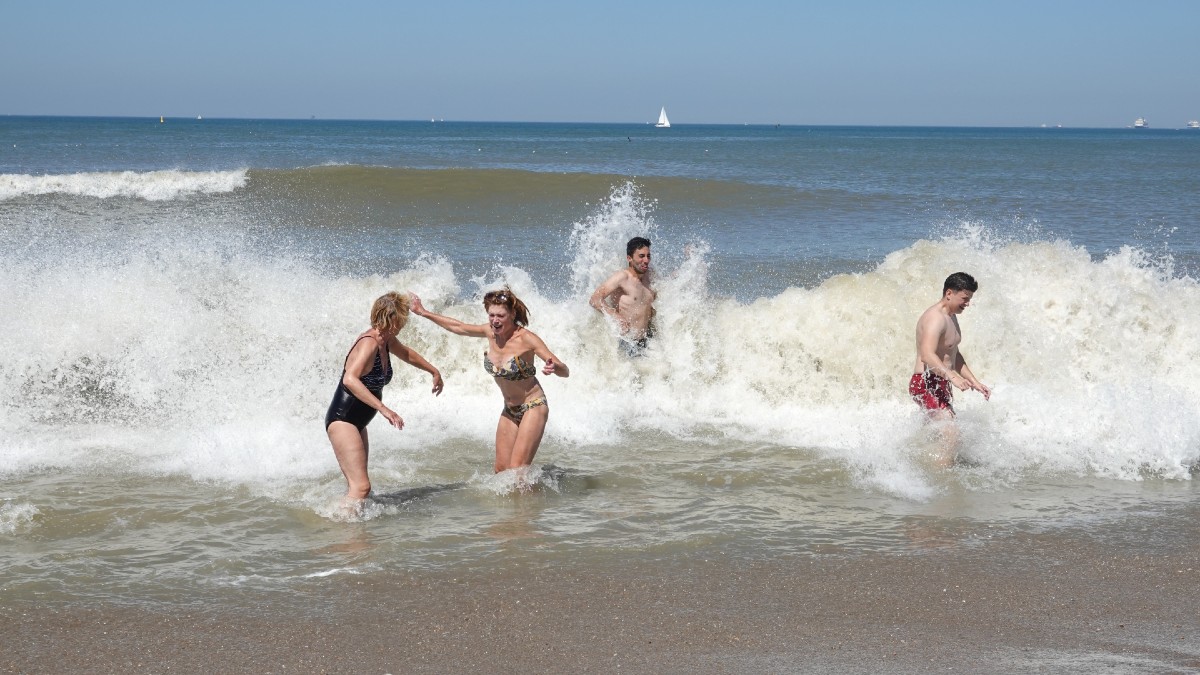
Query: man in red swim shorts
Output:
(931,392)
(940,363)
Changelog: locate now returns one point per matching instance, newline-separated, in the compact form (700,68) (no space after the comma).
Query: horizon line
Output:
(313,118)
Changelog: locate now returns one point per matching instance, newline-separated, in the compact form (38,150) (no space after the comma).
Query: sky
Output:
(855,62)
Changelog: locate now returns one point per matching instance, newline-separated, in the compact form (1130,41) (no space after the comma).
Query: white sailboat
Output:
(663,122)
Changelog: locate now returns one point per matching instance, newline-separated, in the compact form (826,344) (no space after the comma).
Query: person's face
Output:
(389,331)
(640,260)
(394,329)
(499,318)
(958,300)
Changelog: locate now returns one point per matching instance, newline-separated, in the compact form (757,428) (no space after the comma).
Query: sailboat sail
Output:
(662,118)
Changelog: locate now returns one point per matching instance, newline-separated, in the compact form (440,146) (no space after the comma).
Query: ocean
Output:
(178,298)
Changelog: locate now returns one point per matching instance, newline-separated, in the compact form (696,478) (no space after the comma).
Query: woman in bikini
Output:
(359,395)
(509,359)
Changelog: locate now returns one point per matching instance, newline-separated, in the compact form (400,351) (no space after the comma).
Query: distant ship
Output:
(1193,124)
(1140,123)
(663,122)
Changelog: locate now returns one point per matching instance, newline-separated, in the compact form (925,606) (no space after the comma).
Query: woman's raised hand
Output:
(415,304)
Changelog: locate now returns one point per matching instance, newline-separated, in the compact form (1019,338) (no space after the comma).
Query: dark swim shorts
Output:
(930,391)
(633,348)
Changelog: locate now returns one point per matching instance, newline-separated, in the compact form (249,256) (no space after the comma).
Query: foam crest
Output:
(17,517)
(149,185)
(217,360)
(1083,355)
(599,240)
(517,481)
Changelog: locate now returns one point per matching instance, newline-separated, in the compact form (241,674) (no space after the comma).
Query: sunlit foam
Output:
(148,185)
(517,481)
(17,517)
(216,361)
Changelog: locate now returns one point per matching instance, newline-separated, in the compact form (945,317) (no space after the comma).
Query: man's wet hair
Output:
(960,281)
(636,243)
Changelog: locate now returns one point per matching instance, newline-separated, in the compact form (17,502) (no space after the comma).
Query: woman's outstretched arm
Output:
(453,325)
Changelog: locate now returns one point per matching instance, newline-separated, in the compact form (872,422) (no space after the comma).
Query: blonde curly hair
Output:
(390,312)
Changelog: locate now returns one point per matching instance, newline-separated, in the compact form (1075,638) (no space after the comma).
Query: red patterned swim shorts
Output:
(930,391)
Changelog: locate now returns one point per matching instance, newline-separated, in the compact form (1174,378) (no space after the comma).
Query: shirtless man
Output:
(627,297)
(939,362)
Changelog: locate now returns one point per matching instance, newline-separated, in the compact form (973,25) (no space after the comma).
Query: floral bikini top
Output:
(516,369)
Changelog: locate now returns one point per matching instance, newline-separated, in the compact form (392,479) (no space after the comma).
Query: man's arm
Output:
(960,364)
(931,327)
(604,291)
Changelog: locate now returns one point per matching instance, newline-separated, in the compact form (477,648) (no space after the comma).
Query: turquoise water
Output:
(179,296)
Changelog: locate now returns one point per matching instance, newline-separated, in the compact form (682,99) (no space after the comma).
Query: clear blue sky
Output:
(1011,63)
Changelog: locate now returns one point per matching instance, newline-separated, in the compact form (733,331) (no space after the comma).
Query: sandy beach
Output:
(1062,606)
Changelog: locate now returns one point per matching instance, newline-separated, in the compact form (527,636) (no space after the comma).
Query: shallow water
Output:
(177,306)
(123,538)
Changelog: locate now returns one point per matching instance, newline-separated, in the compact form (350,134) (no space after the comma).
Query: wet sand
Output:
(1041,604)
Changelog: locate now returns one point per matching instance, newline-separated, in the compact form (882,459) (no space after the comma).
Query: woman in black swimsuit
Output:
(359,395)
(509,359)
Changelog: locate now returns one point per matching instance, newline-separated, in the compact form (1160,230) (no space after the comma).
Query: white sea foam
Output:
(599,241)
(516,481)
(148,185)
(338,570)
(219,365)
(16,517)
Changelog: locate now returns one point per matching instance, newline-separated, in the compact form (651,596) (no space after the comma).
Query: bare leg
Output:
(506,436)
(516,444)
(529,437)
(947,442)
(351,447)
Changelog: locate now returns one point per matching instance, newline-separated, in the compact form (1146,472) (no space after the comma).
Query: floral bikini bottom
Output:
(516,412)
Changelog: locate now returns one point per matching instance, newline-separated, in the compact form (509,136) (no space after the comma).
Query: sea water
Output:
(178,298)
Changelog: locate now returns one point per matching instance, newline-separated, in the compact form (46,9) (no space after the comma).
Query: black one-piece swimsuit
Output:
(346,407)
